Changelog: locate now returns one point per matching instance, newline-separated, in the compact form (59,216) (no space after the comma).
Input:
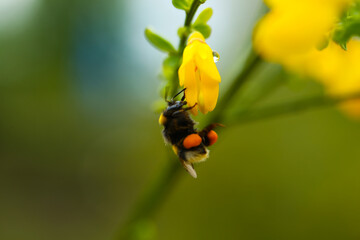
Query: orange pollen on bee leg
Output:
(192,140)
(212,136)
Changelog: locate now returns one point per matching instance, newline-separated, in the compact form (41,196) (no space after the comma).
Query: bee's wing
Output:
(189,167)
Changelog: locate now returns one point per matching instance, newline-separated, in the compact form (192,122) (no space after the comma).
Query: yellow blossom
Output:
(290,33)
(339,71)
(292,27)
(199,75)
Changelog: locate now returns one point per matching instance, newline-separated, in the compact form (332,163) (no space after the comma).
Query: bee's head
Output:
(174,108)
(176,105)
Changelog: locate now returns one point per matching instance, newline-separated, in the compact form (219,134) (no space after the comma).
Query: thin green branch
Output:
(252,61)
(188,19)
(152,199)
(290,107)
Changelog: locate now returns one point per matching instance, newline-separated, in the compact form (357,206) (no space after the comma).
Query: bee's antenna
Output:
(178,93)
(183,98)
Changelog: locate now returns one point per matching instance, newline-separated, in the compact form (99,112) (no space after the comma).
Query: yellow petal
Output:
(195,110)
(201,103)
(182,75)
(204,60)
(209,93)
(190,83)
(188,54)
(195,36)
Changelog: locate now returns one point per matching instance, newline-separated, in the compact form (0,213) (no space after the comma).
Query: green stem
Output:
(188,19)
(290,107)
(152,199)
(252,61)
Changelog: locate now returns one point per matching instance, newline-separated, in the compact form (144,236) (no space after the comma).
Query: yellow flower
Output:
(292,28)
(199,75)
(290,33)
(339,71)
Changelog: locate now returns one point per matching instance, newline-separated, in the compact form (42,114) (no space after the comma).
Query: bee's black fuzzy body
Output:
(178,123)
(178,126)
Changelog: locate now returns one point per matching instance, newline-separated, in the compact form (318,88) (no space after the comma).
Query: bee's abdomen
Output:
(194,155)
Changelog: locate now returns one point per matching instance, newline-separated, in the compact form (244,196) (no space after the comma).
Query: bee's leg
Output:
(189,167)
(208,135)
(189,108)
(210,127)
(184,109)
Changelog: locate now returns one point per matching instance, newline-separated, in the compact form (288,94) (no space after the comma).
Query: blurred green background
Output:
(79,141)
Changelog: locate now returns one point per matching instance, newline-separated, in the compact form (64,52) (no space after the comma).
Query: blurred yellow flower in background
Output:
(339,71)
(199,75)
(294,27)
(292,33)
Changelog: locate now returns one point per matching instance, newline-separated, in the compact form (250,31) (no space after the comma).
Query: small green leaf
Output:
(182,4)
(344,33)
(170,65)
(343,46)
(184,31)
(204,29)
(204,16)
(171,61)
(348,27)
(159,42)
(181,31)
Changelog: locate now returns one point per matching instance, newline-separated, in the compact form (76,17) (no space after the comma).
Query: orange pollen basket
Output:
(192,140)
(212,135)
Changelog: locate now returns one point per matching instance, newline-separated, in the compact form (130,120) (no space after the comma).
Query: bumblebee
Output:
(188,144)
